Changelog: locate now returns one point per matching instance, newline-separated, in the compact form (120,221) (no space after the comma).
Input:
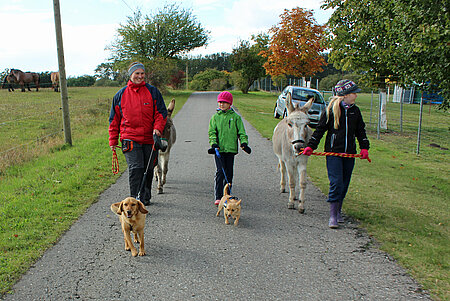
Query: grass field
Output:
(400,198)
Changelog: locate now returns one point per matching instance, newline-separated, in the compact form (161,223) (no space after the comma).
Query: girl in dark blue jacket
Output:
(343,123)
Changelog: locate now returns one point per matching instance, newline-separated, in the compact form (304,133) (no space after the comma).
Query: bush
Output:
(106,82)
(203,80)
(81,81)
(218,84)
(327,83)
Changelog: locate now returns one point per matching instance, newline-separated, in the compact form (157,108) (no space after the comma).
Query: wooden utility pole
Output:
(62,75)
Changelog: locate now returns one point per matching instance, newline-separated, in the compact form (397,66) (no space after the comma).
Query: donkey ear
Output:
(308,105)
(289,105)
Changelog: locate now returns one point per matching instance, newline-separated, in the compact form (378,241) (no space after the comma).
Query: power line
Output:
(127,5)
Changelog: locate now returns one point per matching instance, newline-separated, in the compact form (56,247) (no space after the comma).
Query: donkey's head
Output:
(297,121)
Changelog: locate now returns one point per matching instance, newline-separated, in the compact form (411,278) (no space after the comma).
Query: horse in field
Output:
(54,76)
(289,137)
(8,81)
(23,78)
(170,134)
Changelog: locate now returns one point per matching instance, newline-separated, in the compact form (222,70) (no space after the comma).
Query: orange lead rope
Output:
(115,163)
(335,154)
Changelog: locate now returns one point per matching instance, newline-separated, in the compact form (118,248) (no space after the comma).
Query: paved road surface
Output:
(274,253)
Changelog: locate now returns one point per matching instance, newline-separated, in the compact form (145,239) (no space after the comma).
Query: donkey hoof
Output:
(301,210)
(291,205)
(160,191)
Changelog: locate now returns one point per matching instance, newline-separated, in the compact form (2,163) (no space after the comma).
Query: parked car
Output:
(301,95)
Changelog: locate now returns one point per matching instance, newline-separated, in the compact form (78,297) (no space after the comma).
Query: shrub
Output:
(202,81)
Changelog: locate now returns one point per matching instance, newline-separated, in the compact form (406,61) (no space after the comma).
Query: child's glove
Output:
(307,151)
(246,148)
(212,150)
(364,154)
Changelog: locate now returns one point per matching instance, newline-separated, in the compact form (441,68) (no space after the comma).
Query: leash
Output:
(221,166)
(344,155)
(157,145)
(144,178)
(115,163)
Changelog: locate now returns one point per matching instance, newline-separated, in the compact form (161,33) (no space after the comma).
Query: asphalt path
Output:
(274,254)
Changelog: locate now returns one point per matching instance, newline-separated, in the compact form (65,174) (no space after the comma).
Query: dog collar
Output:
(230,198)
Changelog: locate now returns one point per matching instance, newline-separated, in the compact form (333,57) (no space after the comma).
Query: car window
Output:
(305,95)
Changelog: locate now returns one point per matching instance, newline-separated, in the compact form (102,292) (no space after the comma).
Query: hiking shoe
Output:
(217,202)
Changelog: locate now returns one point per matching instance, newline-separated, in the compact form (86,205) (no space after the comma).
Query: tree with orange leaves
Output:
(296,45)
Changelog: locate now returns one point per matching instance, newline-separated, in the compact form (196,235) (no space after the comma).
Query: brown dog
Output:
(131,214)
(231,206)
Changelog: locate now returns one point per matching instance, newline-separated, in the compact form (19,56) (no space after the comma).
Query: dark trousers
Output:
(227,162)
(339,174)
(137,160)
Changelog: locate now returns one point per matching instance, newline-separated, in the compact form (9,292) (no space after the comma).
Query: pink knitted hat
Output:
(225,96)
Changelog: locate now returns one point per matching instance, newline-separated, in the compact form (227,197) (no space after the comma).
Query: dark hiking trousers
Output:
(137,160)
(227,162)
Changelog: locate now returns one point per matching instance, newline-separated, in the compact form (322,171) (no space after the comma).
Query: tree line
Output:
(378,43)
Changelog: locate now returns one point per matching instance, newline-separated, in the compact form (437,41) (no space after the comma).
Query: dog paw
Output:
(134,253)
(141,253)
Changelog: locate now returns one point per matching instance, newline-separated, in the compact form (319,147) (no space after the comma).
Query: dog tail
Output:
(226,189)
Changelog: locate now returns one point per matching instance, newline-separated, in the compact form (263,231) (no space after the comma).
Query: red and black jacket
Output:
(136,110)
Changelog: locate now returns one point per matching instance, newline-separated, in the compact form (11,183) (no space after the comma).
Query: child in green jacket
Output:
(225,128)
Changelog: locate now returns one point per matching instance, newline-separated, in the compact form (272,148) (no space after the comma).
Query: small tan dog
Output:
(131,214)
(231,206)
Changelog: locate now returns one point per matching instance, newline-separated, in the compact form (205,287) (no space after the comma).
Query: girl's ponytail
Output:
(334,106)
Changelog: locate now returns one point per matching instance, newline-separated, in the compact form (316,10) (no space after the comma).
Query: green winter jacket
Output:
(224,130)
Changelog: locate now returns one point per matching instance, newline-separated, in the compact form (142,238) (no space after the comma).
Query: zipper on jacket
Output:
(346,130)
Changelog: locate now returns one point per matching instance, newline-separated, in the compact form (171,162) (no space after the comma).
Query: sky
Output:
(28,40)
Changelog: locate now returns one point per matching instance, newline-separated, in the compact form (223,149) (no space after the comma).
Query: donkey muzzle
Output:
(297,141)
(298,145)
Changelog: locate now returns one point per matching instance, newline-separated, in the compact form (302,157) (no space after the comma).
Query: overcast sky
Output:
(28,39)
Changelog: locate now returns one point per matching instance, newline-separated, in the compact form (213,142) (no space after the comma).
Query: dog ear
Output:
(115,208)
(238,202)
(142,208)
(120,210)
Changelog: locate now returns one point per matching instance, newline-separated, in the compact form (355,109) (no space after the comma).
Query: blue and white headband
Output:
(135,67)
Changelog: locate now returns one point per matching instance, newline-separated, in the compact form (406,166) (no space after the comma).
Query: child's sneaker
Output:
(217,202)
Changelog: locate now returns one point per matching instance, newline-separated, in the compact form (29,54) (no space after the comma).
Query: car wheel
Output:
(275,113)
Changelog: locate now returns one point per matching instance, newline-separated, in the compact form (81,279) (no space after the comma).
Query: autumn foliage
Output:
(296,45)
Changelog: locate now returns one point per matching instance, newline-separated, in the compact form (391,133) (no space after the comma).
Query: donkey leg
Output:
(283,176)
(158,176)
(165,168)
(302,184)
(291,176)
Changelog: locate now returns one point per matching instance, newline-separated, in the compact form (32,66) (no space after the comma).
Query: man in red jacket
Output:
(138,111)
